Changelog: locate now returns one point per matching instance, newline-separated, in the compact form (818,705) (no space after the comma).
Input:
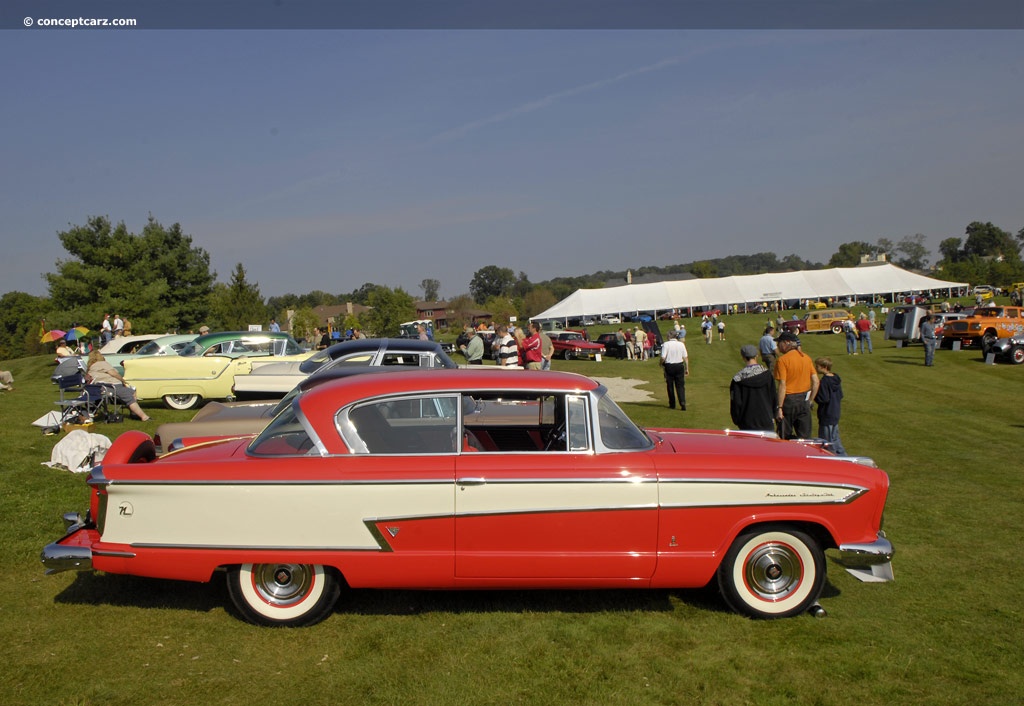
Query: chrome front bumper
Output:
(57,557)
(870,561)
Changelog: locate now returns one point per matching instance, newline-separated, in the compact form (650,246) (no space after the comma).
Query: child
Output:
(830,392)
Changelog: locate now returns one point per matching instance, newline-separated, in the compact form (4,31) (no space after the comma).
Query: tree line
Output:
(162,281)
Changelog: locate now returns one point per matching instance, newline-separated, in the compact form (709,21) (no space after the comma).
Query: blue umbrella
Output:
(76,333)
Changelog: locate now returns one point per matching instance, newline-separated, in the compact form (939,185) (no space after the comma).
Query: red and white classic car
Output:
(478,479)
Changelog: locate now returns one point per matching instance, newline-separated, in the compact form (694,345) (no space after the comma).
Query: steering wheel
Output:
(556,437)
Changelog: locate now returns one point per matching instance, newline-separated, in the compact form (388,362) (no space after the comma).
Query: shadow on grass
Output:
(136,592)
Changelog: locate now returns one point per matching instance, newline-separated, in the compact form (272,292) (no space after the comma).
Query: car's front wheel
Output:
(182,401)
(987,340)
(1017,355)
(568,355)
(837,328)
(283,595)
(772,572)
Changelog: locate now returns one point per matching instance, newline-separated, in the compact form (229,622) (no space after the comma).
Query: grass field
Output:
(949,630)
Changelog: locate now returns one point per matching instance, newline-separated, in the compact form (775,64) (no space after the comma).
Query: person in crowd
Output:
(929,339)
(680,332)
(421,332)
(640,336)
(767,347)
(357,334)
(63,351)
(99,371)
(620,344)
(705,327)
(850,329)
(630,348)
(274,326)
(752,394)
(127,327)
(796,385)
(547,351)
(721,330)
(532,348)
(118,326)
(871,319)
(203,330)
(864,332)
(675,361)
(828,398)
(473,348)
(505,349)
(106,330)
(6,380)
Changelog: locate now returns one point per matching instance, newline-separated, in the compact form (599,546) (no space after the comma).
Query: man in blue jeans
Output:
(864,332)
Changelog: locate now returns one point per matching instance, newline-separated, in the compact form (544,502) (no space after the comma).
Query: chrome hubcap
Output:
(773,572)
(282,584)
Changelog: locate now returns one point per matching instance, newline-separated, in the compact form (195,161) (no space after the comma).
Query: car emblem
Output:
(393,531)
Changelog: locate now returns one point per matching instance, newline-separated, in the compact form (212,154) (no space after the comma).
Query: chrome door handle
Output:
(471,481)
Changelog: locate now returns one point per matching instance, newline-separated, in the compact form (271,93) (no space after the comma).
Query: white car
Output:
(610,319)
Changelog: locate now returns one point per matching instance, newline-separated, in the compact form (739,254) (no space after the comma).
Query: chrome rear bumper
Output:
(868,561)
(57,557)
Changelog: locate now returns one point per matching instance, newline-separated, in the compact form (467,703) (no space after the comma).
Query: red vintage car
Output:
(473,479)
(571,345)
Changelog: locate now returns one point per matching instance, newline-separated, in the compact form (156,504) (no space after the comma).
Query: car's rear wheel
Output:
(837,328)
(1017,355)
(283,595)
(182,401)
(772,572)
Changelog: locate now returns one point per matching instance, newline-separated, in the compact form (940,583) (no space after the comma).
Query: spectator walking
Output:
(721,330)
(828,398)
(767,347)
(274,326)
(675,361)
(640,336)
(797,384)
(929,339)
(505,349)
(752,394)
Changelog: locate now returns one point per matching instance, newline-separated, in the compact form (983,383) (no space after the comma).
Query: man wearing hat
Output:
(797,384)
(203,330)
(675,361)
(752,394)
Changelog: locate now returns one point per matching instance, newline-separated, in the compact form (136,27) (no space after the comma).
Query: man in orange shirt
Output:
(797,385)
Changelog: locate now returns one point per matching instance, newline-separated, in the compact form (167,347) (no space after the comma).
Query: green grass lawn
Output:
(949,630)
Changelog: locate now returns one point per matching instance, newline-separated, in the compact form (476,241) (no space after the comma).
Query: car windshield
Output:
(285,436)
(617,430)
(571,337)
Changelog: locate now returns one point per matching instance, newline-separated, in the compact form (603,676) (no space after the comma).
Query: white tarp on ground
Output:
(837,282)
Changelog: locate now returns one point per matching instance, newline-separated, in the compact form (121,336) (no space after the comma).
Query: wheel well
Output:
(818,532)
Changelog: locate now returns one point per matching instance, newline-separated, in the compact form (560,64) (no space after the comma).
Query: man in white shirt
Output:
(675,361)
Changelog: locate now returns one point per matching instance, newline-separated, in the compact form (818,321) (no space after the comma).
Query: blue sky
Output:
(327,159)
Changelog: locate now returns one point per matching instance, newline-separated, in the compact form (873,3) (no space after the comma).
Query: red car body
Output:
(478,479)
(573,344)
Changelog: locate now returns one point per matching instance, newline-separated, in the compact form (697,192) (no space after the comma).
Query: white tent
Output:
(839,282)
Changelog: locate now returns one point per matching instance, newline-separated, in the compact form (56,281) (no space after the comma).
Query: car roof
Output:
(357,387)
(209,339)
(117,343)
(359,345)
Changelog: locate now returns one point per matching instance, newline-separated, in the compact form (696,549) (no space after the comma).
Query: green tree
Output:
(911,252)
(431,289)
(703,270)
(985,239)
(849,254)
(389,309)
(491,281)
(460,311)
(950,250)
(502,309)
(20,320)
(157,278)
(303,323)
(537,300)
(885,245)
(238,304)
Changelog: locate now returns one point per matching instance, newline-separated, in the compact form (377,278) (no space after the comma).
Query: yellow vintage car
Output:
(206,368)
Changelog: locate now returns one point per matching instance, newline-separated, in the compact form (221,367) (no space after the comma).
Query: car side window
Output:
(425,424)
(407,359)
